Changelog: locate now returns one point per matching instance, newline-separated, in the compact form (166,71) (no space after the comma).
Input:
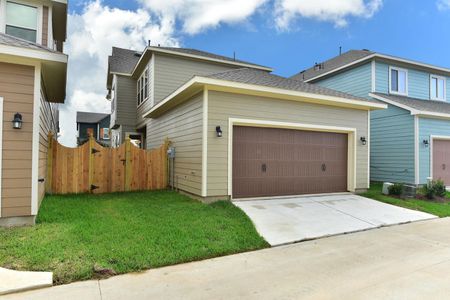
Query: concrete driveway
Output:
(287,220)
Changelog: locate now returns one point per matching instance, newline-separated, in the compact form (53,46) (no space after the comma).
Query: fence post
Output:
(49,181)
(91,162)
(127,164)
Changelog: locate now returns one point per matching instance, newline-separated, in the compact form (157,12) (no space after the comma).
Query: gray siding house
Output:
(240,131)
(95,124)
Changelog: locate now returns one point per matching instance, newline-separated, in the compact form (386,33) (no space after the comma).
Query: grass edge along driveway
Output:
(435,208)
(80,237)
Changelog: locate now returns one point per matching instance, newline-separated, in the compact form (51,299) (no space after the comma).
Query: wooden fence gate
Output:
(92,168)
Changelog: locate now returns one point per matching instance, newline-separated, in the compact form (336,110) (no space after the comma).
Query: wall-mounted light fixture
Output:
(363,140)
(17,121)
(218,131)
(425,143)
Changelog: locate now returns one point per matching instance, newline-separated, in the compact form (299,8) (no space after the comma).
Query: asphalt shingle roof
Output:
(123,60)
(259,77)
(332,64)
(90,117)
(9,40)
(209,55)
(419,104)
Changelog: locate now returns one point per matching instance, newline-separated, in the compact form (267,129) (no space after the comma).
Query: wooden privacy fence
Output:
(92,168)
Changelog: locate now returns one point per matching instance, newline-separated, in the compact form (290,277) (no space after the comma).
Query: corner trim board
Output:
(205,144)
(35,143)
(1,152)
(416,150)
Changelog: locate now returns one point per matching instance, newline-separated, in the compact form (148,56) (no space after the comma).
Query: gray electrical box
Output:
(171,152)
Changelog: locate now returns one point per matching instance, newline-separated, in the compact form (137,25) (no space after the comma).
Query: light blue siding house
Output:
(410,141)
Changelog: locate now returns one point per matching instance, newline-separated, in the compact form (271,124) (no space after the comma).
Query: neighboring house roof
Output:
(123,60)
(353,58)
(332,64)
(414,105)
(10,40)
(89,117)
(258,82)
(257,77)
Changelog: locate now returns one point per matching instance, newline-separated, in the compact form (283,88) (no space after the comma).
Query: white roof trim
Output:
(378,55)
(33,53)
(259,88)
(410,109)
(228,62)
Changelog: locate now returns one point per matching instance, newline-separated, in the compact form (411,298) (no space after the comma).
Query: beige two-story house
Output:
(238,130)
(32,83)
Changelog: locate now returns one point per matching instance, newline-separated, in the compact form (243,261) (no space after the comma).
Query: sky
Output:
(287,35)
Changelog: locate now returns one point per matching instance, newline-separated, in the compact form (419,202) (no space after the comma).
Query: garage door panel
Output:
(270,162)
(441,160)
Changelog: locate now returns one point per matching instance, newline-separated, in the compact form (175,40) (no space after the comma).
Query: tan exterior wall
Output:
(17,89)
(222,106)
(171,72)
(183,126)
(47,123)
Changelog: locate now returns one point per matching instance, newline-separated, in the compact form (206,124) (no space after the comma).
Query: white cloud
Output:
(333,11)
(443,4)
(199,15)
(91,35)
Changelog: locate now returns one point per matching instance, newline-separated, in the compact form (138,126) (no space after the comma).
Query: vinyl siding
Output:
(17,89)
(222,106)
(392,145)
(183,127)
(126,102)
(356,81)
(45,25)
(171,72)
(418,81)
(428,127)
(47,122)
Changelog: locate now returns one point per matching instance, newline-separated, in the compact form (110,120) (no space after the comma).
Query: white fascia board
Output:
(265,89)
(33,53)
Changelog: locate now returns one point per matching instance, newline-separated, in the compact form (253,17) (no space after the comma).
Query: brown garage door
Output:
(441,160)
(274,162)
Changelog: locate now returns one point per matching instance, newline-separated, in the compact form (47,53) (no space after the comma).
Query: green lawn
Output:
(125,232)
(438,209)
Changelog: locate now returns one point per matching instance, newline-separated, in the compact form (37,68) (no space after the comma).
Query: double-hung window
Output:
(21,21)
(142,87)
(437,87)
(398,81)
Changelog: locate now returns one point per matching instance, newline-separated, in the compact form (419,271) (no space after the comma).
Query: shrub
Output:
(439,188)
(395,189)
(434,188)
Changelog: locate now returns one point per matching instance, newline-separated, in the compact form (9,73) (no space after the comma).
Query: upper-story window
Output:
(142,87)
(398,81)
(21,21)
(437,87)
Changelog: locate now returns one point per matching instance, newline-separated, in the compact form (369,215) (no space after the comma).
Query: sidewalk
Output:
(409,261)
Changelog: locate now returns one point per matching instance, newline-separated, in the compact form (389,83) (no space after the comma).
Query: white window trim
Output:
(147,69)
(406,84)
(28,3)
(445,87)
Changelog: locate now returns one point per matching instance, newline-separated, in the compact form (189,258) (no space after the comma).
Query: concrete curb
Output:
(12,281)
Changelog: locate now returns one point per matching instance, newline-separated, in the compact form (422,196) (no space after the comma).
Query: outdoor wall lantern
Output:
(363,140)
(425,143)
(17,122)
(218,131)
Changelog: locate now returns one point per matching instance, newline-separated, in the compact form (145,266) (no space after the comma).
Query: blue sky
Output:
(313,32)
